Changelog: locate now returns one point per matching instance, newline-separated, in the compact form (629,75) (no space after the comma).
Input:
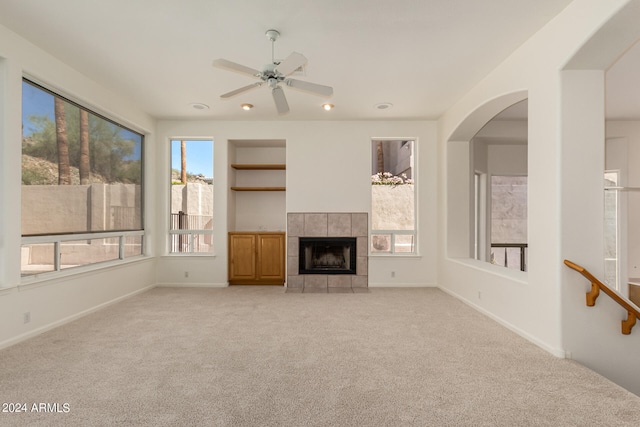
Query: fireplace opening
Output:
(327,255)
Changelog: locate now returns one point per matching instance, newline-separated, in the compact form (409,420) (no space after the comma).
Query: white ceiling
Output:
(419,55)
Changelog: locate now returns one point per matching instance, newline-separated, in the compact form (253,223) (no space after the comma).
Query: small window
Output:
(191,222)
(393,212)
(81,185)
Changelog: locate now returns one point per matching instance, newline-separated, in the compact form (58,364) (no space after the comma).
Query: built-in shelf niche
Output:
(257,167)
(257,180)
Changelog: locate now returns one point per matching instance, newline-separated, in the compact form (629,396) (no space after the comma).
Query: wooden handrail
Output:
(596,286)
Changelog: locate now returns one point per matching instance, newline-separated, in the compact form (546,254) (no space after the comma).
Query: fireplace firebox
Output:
(327,255)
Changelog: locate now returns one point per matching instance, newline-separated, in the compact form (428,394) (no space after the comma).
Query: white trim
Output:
(402,285)
(191,232)
(53,325)
(8,290)
(53,238)
(192,285)
(34,280)
(518,276)
(557,352)
(395,255)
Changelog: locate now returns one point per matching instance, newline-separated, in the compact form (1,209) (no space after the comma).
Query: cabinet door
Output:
(242,257)
(271,257)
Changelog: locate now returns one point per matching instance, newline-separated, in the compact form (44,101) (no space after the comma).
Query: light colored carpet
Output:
(255,356)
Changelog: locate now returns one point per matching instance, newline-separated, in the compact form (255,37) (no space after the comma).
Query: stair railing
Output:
(596,286)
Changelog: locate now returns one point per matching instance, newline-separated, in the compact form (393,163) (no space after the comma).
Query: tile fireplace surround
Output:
(327,224)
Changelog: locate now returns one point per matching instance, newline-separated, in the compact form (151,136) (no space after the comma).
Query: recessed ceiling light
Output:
(328,107)
(199,106)
(384,105)
(246,107)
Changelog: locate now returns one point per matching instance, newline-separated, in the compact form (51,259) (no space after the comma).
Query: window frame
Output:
(57,239)
(189,233)
(393,233)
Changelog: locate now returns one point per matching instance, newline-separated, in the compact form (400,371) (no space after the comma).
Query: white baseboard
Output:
(402,285)
(192,285)
(557,352)
(53,325)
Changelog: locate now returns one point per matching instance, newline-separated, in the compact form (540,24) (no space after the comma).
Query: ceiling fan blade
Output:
(313,88)
(281,101)
(291,63)
(240,90)
(232,66)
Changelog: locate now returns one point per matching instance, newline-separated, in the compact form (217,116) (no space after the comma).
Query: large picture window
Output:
(81,185)
(393,213)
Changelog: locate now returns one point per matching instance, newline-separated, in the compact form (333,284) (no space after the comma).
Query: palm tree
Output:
(380,155)
(183,157)
(84,165)
(64,171)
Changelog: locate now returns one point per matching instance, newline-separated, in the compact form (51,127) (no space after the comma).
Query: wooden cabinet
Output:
(256,258)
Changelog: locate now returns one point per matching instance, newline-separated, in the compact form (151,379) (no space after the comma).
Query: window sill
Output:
(41,279)
(486,267)
(396,255)
(7,290)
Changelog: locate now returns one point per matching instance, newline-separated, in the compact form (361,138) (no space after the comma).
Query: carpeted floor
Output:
(255,356)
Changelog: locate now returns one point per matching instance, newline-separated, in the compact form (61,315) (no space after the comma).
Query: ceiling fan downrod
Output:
(272,35)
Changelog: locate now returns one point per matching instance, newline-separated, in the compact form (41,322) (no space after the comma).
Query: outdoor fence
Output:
(191,233)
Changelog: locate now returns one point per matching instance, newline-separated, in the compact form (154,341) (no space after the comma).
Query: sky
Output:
(199,152)
(199,156)
(37,102)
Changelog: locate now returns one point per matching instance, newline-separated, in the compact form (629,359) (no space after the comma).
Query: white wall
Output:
(328,170)
(52,302)
(565,163)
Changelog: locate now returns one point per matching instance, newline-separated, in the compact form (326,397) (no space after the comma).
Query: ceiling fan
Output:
(274,75)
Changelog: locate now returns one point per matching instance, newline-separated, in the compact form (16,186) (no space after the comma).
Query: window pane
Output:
(392,189)
(83,252)
(191,195)
(80,172)
(509,221)
(403,243)
(611,205)
(37,258)
(381,243)
(508,209)
(132,246)
(191,242)
(392,196)
(510,257)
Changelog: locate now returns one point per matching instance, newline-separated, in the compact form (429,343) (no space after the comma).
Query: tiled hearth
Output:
(327,225)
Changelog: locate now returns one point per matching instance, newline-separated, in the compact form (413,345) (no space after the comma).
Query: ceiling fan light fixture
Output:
(328,107)
(246,107)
